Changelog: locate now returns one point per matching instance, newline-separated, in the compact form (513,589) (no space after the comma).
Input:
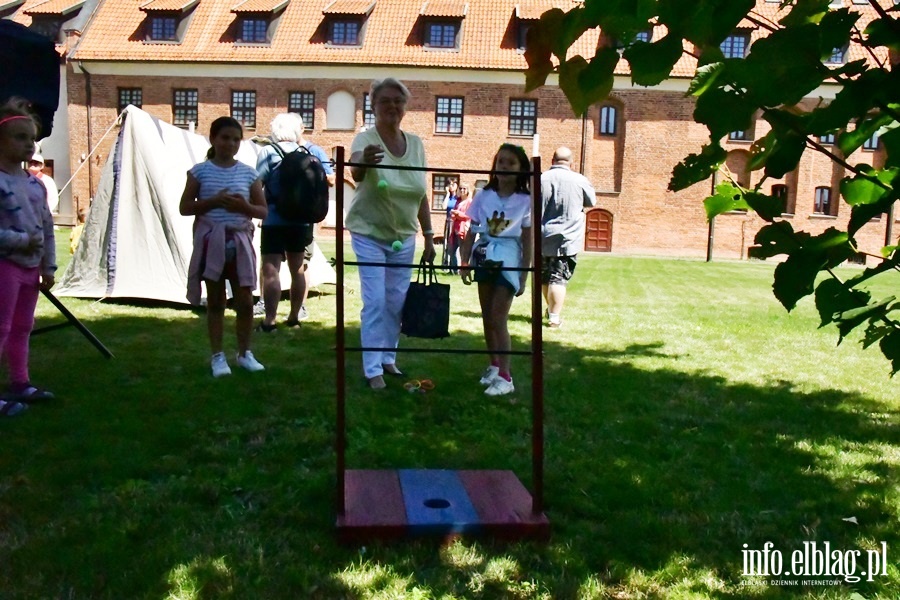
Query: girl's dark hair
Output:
(522,180)
(217,126)
(19,107)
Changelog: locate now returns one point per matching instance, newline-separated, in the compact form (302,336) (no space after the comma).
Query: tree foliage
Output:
(771,80)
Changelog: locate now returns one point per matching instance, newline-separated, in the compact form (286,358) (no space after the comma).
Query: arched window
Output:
(608,120)
(823,205)
(340,111)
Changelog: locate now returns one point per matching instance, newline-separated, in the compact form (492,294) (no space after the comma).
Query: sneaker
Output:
(489,375)
(259,309)
(303,314)
(249,362)
(554,324)
(500,387)
(219,364)
(9,408)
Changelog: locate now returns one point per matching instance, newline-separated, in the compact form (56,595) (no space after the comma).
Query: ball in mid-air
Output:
(382,184)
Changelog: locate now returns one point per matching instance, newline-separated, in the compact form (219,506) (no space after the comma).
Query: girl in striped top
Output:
(224,194)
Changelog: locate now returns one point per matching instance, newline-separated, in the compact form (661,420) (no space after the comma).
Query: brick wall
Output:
(630,171)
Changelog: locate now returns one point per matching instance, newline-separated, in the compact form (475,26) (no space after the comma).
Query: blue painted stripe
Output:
(437,501)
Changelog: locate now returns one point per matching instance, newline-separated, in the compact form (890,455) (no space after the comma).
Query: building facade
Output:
(190,61)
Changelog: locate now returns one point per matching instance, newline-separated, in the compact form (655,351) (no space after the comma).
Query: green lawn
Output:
(688,415)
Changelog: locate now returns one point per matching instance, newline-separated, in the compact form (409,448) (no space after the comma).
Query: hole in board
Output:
(437,503)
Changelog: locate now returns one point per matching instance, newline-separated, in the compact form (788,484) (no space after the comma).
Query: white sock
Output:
(553,317)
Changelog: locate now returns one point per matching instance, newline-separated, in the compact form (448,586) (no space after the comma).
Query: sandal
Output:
(292,323)
(263,328)
(28,393)
(8,408)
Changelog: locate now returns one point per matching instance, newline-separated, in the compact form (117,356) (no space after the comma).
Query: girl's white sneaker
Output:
(489,375)
(500,387)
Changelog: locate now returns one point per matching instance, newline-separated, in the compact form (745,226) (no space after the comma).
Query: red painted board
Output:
(373,503)
(502,502)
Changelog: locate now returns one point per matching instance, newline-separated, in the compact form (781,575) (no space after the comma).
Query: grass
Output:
(687,415)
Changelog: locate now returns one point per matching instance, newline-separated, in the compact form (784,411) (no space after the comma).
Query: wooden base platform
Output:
(391,504)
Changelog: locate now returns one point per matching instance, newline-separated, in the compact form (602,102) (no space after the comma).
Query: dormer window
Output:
(442,35)
(735,46)
(442,21)
(346,21)
(167,20)
(47,18)
(838,56)
(344,32)
(257,19)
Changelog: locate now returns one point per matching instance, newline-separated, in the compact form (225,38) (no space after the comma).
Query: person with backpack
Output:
(296,175)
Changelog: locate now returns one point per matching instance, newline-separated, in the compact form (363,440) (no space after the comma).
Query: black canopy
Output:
(29,67)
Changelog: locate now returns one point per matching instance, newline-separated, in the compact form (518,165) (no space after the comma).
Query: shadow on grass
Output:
(148,478)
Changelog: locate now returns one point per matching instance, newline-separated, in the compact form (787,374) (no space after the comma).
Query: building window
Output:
(780,191)
(439,184)
(643,36)
(164,28)
(448,116)
(48,27)
(344,32)
(184,107)
(838,56)
(522,117)
(735,46)
(738,136)
(340,111)
(823,201)
(304,104)
(608,118)
(522,33)
(368,113)
(871,143)
(243,108)
(128,96)
(441,34)
(828,138)
(254,30)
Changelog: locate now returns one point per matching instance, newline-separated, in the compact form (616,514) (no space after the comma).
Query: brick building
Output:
(190,61)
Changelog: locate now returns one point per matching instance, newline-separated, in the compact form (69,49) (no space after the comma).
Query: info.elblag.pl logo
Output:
(814,564)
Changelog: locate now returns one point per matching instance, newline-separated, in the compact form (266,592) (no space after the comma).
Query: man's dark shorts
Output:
(279,239)
(557,270)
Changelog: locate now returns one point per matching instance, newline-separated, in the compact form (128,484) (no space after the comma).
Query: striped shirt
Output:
(237,179)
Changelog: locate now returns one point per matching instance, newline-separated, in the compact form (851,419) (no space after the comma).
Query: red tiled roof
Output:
(531,10)
(6,4)
(349,7)
(488,36)
(445,8)
(54,7)
(167,5)
(258,6)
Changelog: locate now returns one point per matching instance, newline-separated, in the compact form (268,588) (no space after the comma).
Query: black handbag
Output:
(426,311)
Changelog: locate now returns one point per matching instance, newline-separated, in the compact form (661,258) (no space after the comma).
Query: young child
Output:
(27,250)
(501,219)
(224,194)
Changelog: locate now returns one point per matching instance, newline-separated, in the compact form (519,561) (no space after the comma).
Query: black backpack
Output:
(298,186)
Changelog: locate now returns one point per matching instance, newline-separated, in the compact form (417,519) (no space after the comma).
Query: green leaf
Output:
(805,11)
(891,143)
(538,49)
(760,150)
(697,167)
(704,78)
(882,32)
(782,68)
(723,111)
(703,22)
(652,63)
(833,297)
(861,214)
(849,141)
(777,238)
(585,83)
(785,155)
(728,197)
(849,320)
(835,28)
(874,332)
(861,189)
(890,347)
(796,276)
(767,207)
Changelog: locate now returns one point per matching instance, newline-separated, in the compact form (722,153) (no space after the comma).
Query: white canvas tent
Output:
(135,244)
